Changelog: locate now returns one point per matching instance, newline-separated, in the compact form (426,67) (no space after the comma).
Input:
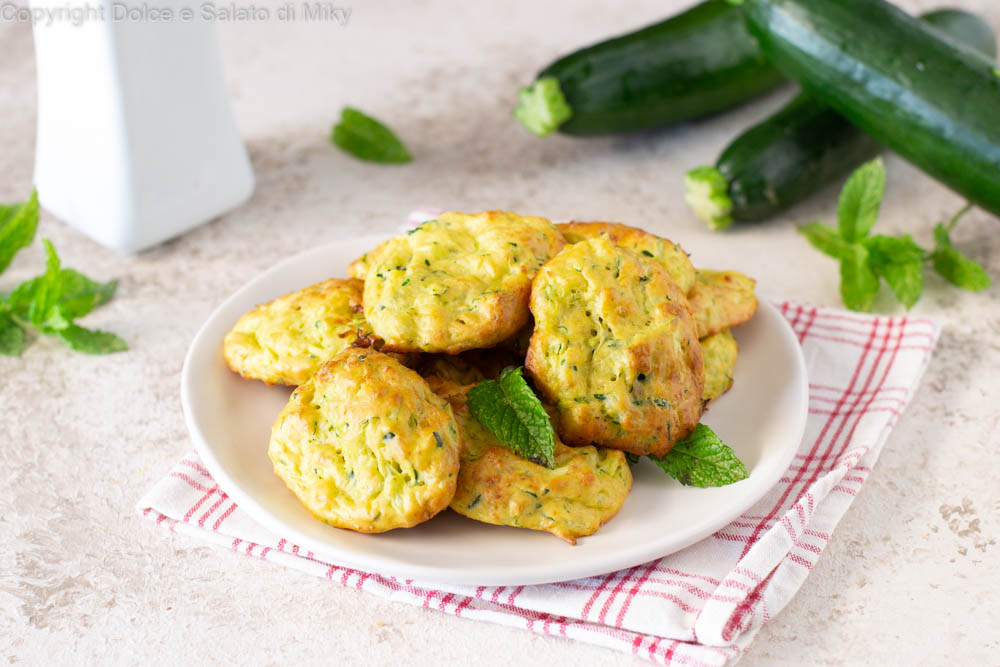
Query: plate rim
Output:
(519,574)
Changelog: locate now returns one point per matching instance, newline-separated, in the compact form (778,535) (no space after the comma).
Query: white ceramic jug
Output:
(136,137)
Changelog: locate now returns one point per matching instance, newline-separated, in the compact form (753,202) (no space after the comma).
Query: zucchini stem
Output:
(542,107)
(707,193)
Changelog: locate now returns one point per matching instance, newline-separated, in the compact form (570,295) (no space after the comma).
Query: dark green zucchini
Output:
(897,79)
(801,148)
(693,64)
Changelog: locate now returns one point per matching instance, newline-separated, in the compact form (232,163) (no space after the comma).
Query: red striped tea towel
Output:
(702,605)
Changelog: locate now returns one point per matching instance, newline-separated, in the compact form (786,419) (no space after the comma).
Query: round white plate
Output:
(762,418)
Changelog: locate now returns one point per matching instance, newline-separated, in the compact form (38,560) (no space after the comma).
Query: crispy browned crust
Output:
(719,352)
(721,300)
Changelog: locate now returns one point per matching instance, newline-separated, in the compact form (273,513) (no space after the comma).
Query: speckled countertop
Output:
(910,576)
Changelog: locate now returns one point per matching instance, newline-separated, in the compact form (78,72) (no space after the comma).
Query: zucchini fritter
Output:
(671,256)
(359,267)
(366,445)
(719,352)
(458,282)
(615,349)
(583,492)
(721,300)
(286,340)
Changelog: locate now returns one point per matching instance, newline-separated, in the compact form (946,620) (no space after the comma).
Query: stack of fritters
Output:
(606,319)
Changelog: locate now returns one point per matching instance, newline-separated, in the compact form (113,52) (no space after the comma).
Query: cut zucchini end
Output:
(542,107)
(707,193)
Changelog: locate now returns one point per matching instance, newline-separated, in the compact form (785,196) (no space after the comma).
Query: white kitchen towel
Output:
(702,605)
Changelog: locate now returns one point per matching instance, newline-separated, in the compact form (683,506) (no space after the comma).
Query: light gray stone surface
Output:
(910,576)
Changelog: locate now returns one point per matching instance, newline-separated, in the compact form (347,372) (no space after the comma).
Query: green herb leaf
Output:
(858,282)
(826,239)
(81,294)
(50,302)
(367,139)
(511,411)
(22,296)
(11,336)
(47,291)
(702,459)
(900,261)
(18,223)
(857,208)
(956,268)
(91,341)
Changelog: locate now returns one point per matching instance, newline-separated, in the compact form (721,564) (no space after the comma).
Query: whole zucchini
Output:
(693,64)
(896,78)
(801,148)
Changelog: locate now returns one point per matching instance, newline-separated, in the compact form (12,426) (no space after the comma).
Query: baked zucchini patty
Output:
(615,349)
(366,445)
(458,282)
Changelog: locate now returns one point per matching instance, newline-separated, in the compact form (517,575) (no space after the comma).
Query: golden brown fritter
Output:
(458,282)
(366,445)
(719,353)
(286,340)
(615,349)
(671,256)
(359,267)
(721,300)
(583,492)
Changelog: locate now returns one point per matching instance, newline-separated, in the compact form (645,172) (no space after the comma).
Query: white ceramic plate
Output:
(762,418)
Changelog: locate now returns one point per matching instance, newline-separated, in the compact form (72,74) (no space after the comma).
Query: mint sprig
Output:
(956,268)
(512,412)
(49,303)
(867,260)
(701,459)
(367,139)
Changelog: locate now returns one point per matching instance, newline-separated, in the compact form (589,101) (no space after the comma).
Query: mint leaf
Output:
(857,208)
(367,139)
(826,239)
(702,459)
(91,341)
(22,296)
(47,290)
(900,261)
(50,302)
(18,223)
(858,283)
(956,268)
(80,294)
(511,411)
(11,336)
